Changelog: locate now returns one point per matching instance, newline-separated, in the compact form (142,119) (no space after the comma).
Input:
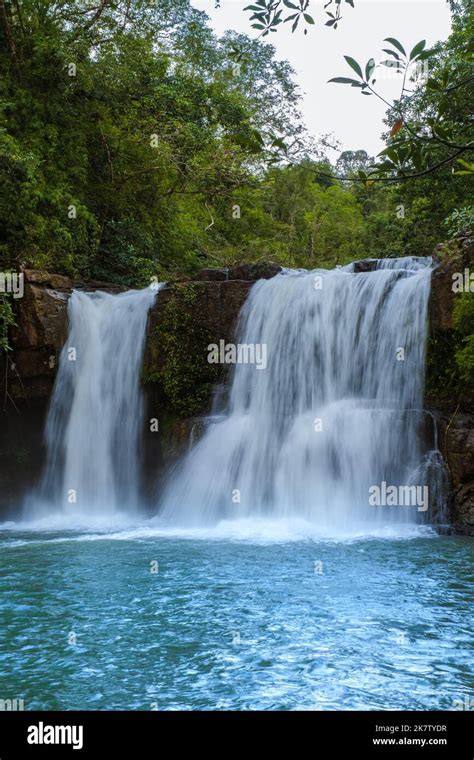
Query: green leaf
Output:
(419,47)
(290,5)
(345,80)
(308,18)
(432,84)
(258,136)
(386,166)
(391,52)
(279,143)
(390,152)
(426,54)
(466,164)
(442,108)
(369,68)
(440,132)
(396,44)
(354,65)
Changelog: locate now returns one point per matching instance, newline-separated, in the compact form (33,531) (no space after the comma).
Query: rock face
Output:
(41,331)
(451,403)
(186,318)
(247,272)
(458,451)
(37,338)
(188,315)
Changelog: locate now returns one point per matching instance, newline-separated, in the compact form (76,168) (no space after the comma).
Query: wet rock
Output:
(41,331)
(186,318)
(246,272)
(366,265)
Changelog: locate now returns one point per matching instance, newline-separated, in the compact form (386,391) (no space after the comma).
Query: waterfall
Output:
(95,418)
(336,411)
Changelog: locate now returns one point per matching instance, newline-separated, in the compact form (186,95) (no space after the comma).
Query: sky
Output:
(355,120)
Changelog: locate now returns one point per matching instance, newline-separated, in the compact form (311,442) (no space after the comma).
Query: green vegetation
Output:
(442,371)
(460,223)
(463,318)
(7,319)
(185,377)
(267,15)
(134,142)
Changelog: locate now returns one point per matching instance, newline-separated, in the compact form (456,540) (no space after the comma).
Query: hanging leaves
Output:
(268,14)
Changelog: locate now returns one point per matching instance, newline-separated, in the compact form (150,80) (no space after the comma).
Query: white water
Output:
(333,355)
(95,420)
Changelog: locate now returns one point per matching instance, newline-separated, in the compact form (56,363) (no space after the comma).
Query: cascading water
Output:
(95,418)
(336,411)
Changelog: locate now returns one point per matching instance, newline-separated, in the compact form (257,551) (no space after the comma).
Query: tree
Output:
(350,162)
(120,126)
(429,124)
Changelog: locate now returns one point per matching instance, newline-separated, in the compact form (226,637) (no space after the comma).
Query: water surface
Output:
(268,620)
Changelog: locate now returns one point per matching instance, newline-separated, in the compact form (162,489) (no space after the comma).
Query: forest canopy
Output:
(134,142)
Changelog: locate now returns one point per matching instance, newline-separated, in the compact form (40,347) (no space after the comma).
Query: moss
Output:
(450,355)
(463,319)
(442,374)
(184,375)
(7,320)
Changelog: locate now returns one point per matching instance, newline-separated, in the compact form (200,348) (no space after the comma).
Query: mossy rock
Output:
(442,373)
(178,353)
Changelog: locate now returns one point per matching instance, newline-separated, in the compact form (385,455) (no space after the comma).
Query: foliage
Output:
(135,143)
(430,129)
(186,377)
(292,217)
(442,372)
(463,318)
(7,320)
(350,162)
(460,222)
(120,129)
(267,15)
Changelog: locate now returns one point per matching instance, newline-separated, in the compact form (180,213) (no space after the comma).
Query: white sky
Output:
(354,119)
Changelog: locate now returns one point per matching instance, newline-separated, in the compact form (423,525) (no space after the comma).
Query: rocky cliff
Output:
(449,400)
